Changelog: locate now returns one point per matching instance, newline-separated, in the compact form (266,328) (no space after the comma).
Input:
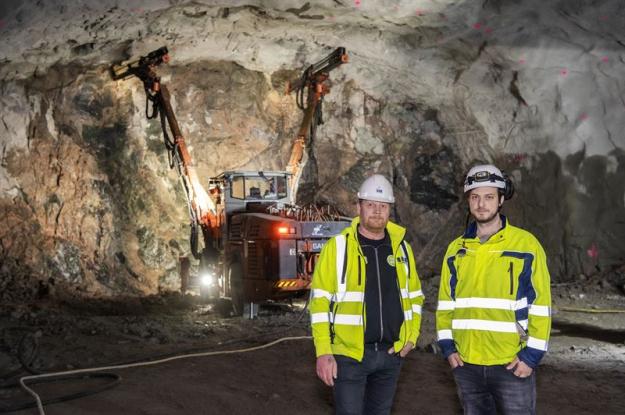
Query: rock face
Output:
(88,203)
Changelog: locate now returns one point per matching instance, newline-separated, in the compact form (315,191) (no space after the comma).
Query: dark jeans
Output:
(484,390)
(366,387)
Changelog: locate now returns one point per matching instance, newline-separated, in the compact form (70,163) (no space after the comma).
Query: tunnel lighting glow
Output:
(207,279)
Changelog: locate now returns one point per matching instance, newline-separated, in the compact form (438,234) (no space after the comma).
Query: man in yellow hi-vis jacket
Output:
(366,305)
(494,305)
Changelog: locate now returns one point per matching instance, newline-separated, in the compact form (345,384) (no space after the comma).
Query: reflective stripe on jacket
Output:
(337,305)
(494,299)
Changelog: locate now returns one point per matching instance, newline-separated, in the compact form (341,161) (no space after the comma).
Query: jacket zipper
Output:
(364,303)
(405,252)
(377,267)
(344,270)
(511,270)
(333,307)
(359,271)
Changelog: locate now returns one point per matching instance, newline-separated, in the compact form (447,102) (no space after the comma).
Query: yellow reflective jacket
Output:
(337,307)
(494,299)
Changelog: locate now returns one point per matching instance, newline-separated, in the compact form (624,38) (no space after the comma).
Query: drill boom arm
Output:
(313,80)
(201,206)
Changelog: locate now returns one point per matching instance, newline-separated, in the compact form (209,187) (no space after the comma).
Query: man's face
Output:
(484,203)
(374,215)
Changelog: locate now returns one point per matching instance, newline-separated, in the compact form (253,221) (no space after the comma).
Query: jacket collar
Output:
(395,232)
(471,231)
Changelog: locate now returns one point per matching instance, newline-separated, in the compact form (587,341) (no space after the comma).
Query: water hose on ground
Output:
(76,374)
(34,394)
(591,310)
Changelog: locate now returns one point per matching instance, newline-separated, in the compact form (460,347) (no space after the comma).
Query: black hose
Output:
(115,380)
(25,362)
(299,96)
(169,143)
(154,99)
(193,240)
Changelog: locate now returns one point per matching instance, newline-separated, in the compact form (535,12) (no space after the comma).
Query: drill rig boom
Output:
(202,208)
(313,84)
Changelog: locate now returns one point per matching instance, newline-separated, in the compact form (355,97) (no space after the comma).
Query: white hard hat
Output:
(484,175)
(377,188)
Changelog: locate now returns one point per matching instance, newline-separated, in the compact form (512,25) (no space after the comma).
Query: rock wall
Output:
(88,203)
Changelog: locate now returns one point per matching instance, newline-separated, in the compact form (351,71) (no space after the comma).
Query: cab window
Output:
(237,188)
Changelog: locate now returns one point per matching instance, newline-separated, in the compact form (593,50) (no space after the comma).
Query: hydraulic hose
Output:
(25,361)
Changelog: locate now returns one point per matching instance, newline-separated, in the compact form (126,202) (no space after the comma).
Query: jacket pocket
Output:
(511,272)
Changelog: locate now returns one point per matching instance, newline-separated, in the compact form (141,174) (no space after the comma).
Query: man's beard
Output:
(487,220)
(375,227)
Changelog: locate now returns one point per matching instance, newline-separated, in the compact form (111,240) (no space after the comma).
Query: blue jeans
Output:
(366,387)
(484,390)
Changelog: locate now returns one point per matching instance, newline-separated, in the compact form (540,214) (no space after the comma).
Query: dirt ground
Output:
(583,373)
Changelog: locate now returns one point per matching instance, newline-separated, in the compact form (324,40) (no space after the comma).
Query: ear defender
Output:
(508,191)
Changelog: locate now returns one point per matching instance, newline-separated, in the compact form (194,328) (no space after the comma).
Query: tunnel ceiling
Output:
(89,205)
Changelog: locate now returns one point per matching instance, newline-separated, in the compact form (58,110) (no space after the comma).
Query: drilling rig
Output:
(257,244)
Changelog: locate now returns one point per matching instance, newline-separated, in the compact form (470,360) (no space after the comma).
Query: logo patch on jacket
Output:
(391,260)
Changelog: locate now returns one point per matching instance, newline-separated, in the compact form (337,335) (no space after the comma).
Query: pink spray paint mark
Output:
(564,72)
(583,117)
(488,30)
(519,157)
(605,59)
(419,12)
(477,26)
(522,61)
(357,3)
(593,252)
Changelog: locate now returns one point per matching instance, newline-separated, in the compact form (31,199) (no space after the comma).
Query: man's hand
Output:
(404,350)
(521,369)
(455,360)
(326,369)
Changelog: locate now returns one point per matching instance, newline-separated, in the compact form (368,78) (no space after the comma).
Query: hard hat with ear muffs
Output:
(487,175)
